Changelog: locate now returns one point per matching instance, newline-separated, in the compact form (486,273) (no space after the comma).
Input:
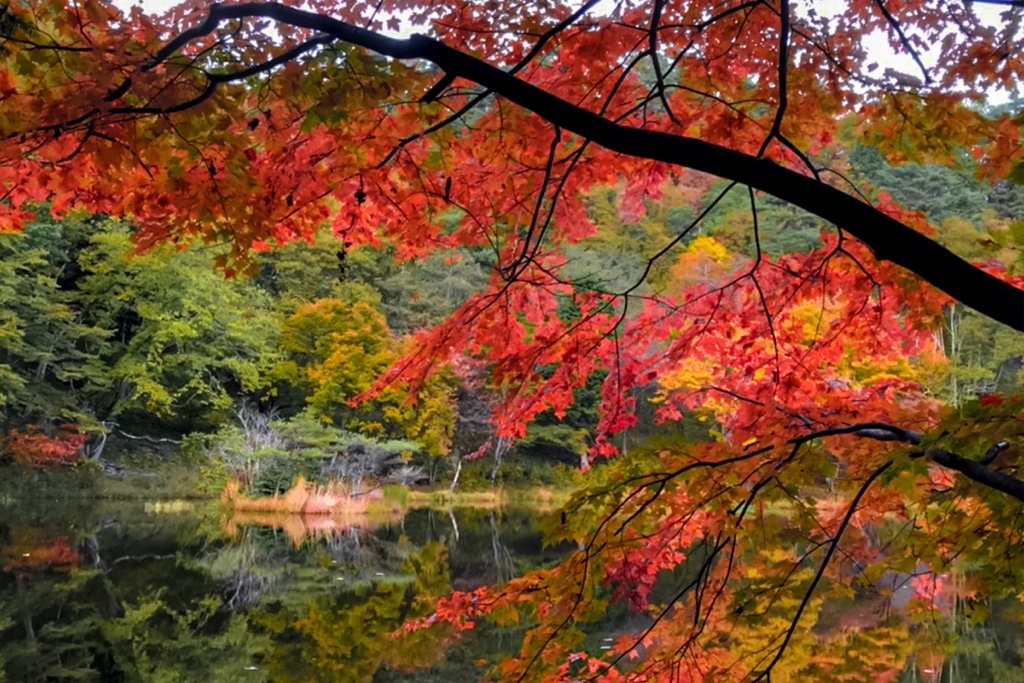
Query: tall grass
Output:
(330,499)
(538,498)
(304,511)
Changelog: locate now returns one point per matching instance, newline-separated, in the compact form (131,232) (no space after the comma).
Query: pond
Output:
(178,591)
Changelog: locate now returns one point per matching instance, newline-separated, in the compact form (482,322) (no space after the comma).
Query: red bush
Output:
(30,446)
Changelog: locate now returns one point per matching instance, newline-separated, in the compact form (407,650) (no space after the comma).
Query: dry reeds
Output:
(304,499)
(304,511)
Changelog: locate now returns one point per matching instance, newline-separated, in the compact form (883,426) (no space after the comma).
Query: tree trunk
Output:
(494,470)
(500,447)
(94,451)
(455,525)
(458,470)
(26,615)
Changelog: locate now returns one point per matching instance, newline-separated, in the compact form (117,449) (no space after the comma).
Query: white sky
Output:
(877,43)
(151,6)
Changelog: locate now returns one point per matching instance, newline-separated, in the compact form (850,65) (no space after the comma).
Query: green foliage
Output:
(782,228)
(526,469)
(21,482)
(399,494)
(335,350)
(300,272)
(984,356)
(559,442)
(419,294)
(158,640)
(184,337)
(213,477)
(411,294)
(939,191)
(88,332)
(160,342)
(47,362)
(277,474)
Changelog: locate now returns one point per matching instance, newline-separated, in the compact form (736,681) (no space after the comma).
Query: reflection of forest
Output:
(120,595)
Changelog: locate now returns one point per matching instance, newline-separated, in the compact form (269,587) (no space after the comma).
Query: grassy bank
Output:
(186,482)
(536,497)
(167,481)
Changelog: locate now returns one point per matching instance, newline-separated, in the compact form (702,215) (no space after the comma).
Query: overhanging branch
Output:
(976,470)
(888,238)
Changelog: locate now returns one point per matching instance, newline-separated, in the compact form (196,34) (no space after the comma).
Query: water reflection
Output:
(136,593)
(176,593)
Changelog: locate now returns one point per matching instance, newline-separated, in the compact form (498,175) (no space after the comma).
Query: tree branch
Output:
(766,673)
(976,470)
(904,41)
(880,431)
(888,238)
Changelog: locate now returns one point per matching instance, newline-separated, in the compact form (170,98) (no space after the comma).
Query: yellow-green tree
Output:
(337,349)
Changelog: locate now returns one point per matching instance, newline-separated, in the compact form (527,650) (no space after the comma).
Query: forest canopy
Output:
(723,217)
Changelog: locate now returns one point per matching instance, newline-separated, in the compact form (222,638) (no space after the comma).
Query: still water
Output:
(169,593)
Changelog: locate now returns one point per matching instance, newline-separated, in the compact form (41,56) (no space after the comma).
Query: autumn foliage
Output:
(31,446)
(829,458)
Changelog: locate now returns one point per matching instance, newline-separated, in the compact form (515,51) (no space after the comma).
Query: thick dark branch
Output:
(880,431)
(974,469)
(783,74)
(881,435)
(438,88)
(652,42)
(992,452)
(887,237)
(283,58)
(977,470)
(118,91)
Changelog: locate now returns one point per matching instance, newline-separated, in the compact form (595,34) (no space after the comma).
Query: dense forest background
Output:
(121,353)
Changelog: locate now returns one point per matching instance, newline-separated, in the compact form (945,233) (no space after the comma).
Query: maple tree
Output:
(257,123)
(33,447)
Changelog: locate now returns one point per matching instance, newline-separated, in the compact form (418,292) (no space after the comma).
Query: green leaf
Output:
(1017,233)
(1016,174)
(977,613)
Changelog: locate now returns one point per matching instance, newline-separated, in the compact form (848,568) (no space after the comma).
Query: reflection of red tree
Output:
(420,649)
(929,665)
(32,551)
(30,446)
(928,588)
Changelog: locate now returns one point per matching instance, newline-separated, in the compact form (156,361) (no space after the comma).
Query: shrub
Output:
(31,446)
